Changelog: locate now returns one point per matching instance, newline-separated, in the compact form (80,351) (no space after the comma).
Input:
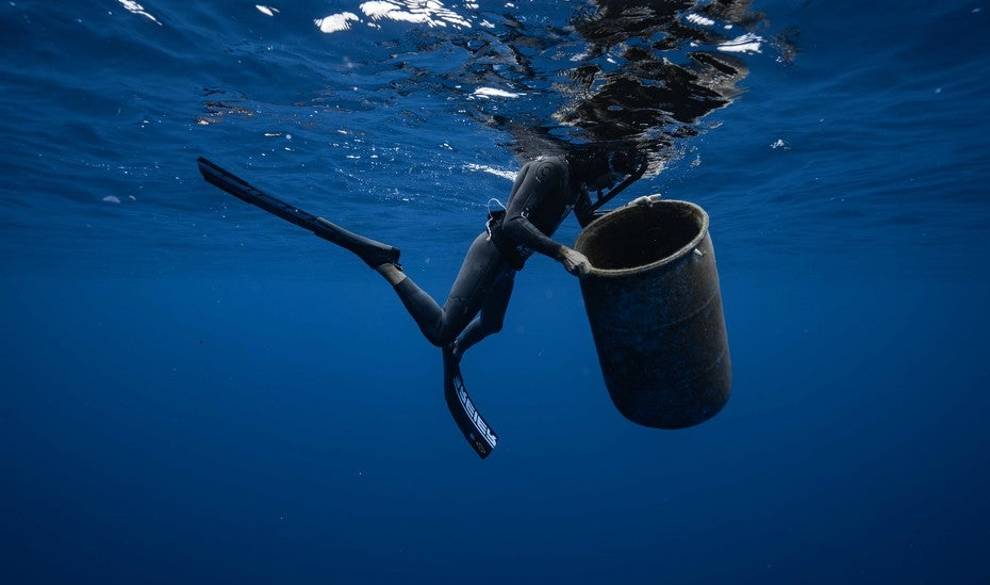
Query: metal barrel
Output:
(655,309)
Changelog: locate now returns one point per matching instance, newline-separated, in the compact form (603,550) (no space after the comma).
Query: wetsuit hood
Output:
(602,168)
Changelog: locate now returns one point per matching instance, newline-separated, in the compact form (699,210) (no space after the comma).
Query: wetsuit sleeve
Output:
(536,181)
(583,212)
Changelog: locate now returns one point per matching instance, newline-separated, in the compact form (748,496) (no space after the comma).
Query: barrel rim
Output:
(680,253)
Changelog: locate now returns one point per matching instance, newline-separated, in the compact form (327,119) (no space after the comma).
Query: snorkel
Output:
(598,170)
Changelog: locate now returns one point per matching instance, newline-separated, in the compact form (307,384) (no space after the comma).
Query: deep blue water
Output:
(195,392)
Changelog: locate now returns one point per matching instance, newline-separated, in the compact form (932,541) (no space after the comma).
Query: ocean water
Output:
(196,392)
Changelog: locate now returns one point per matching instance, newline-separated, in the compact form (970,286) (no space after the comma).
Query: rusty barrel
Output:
(655,309)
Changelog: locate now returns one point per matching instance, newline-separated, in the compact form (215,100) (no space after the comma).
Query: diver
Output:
(543,194)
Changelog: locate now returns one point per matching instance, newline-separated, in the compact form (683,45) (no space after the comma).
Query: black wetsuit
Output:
(542,196)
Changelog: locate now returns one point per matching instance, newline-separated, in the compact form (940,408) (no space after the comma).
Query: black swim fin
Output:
(373,253)
(477,432)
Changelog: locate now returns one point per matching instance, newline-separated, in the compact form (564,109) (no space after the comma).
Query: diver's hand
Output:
(646,199)
(575,262)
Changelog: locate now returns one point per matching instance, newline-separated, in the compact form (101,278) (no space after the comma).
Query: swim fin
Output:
(373,253)
(477,432)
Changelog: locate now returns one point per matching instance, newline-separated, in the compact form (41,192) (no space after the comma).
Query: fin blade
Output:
(473,426)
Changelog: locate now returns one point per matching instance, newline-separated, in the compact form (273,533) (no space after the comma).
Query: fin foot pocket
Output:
(372,252)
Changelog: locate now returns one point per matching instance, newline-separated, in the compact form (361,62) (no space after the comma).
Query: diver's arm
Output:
(537,179)
(582,210)
(521,231)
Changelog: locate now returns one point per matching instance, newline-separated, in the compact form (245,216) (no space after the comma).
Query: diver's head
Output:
(600,167)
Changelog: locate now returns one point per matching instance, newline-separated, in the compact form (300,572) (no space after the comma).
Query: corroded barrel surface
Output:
(655,309)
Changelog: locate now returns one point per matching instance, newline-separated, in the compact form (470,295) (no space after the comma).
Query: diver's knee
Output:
(442,335)
(441,340)
(435,336)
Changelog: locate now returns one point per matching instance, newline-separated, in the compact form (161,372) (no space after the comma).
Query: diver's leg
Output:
(491,318)
(481,267)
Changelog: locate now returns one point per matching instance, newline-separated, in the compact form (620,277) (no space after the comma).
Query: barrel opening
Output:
(641,235)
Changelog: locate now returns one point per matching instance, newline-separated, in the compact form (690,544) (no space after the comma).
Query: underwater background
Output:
(196,392)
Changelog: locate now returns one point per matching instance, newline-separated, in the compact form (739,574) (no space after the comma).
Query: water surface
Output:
(194,391)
